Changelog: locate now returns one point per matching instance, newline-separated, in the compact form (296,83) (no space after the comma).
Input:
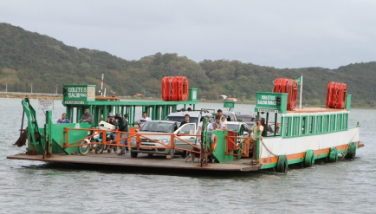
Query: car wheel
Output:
(134,154)
(184,154)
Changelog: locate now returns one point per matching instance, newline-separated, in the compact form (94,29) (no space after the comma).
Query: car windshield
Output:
(233,127)
(158,127)
(182,118)
(244,118)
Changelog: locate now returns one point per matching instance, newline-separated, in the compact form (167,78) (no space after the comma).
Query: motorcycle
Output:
(96,137)
(91,143)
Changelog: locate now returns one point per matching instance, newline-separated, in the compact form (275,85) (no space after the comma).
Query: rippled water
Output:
(33,187)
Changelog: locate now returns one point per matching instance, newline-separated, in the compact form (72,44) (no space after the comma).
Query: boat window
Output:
(339,122)
(325,124)
(304,125)
(277,125)
(345,121)
(296,126)
(286,126)
(311,124)
(319,125)
(333,123)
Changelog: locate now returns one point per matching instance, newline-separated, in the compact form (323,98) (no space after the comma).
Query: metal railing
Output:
(139,136)
(233,143)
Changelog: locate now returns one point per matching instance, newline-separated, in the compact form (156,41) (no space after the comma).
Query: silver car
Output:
(236,126)
(164,126)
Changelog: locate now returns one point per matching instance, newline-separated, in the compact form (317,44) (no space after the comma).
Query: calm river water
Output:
(36,187)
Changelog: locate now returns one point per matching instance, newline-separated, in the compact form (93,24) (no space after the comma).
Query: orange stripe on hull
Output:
(271,160)
(321,151)
(295,156)
(265,161)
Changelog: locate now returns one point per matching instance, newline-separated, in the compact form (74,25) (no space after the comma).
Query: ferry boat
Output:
(299,135)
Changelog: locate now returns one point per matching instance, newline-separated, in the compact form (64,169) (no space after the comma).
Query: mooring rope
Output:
(263,144)
(347,150)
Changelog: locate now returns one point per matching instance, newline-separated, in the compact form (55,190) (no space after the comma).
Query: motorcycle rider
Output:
(123,127)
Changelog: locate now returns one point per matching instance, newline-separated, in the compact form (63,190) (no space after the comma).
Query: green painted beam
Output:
(295,161)
(133,103)
(268,166)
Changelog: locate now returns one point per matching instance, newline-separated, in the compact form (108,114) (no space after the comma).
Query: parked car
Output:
(195,116)
(230,116)
(164,126)
(236,126)
(249,119)
(244,117)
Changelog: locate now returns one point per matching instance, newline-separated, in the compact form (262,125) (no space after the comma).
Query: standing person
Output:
(123,128)
(215,125)
(186,120)
(198,132)
(143,119)
(220,114)
(223,123)
(253,142)
(265,128)
(87,117)
(63,119)
(111,120)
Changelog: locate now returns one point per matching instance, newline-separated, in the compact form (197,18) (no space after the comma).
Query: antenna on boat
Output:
(301,91)
(102,85)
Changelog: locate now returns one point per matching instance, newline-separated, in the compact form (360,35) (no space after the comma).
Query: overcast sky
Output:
(272,33)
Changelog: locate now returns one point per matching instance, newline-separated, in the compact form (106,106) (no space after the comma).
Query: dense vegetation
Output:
(27,57)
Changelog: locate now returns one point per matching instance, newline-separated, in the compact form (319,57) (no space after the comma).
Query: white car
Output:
(194,116)
(236,126)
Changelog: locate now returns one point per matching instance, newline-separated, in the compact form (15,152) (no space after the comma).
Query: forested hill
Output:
(27,57)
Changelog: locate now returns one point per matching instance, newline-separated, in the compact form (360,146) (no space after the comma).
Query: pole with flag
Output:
(102,85)
(300,83)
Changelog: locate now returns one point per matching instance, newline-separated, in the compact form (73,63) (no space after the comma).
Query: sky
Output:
(282,34)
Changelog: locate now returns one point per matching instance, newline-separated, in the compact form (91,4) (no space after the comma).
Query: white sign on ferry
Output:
(267,100)
(45,104)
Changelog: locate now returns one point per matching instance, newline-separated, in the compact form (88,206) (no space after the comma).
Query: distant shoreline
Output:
(31,96)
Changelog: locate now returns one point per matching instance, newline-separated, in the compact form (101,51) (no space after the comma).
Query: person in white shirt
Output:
(143,119)
(223,123)
(198,132)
